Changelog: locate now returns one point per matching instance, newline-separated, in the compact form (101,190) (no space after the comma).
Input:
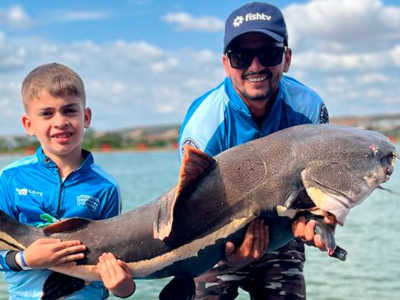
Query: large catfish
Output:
(319,169)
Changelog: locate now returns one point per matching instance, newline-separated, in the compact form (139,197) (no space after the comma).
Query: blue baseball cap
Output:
(255,17)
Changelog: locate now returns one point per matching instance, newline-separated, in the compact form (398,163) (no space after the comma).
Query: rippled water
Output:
(371,235)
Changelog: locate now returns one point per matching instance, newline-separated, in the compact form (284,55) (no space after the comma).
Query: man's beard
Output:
(258,98)
(262,96)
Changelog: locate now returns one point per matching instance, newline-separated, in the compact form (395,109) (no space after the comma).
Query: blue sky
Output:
(143,62)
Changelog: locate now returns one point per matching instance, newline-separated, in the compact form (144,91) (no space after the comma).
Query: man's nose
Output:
(256,65)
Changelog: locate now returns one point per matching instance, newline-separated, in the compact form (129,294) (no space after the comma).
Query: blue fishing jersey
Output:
(220,120)
(32,192)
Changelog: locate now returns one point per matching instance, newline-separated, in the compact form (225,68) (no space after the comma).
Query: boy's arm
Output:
(42,253)
(116,276)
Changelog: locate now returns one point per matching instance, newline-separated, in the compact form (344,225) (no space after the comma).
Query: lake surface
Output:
(371,235)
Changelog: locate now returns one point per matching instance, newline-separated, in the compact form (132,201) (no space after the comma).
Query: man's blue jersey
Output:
(220,120)
(32,192)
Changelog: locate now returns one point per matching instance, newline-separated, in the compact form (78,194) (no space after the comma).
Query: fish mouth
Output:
(332,205)
(336,204)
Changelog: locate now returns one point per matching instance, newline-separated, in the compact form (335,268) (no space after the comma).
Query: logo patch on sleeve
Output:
(189,142)
(89,202)
(323,115)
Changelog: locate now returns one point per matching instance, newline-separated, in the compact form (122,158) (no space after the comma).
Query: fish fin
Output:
(179,288)
(298,199)
(66,225)
(58,286)
(194,163)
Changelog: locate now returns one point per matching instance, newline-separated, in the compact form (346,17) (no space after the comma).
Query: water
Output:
(372,268)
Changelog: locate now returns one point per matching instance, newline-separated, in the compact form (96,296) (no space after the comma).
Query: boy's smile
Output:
(58,123)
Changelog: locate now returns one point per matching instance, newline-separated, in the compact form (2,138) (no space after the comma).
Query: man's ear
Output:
(288,59)
(225,63)
(27,123)
(88,117)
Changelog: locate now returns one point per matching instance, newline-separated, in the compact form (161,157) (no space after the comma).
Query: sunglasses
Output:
(268,56)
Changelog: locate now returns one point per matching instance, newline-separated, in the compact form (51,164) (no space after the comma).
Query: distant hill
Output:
(166,136)
(388,125)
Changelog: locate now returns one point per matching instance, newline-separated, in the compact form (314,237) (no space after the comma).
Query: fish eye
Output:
(376,152)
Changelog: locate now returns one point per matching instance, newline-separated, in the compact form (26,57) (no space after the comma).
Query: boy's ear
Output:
(27,123)
(88,117)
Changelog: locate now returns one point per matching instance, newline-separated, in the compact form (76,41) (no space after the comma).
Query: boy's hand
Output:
(45,253)
(254,246)
(116,275)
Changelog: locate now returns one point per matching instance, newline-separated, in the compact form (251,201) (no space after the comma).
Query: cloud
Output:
(80,16)
(349,52)
(14,17)
(347,22)
(137,82)
(128,83)
(186,22)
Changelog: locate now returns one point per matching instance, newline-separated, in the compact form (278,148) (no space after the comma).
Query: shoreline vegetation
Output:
(165,137)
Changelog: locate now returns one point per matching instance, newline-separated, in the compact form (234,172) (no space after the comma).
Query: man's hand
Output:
(306,231)
(254,246)
(45,253)
(116,275)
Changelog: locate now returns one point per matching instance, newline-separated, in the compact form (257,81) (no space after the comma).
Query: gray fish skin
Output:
(315,168)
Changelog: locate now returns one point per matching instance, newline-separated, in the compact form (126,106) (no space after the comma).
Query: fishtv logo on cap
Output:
(250,17)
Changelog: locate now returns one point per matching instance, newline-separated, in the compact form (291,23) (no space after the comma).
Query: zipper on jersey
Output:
(59,199)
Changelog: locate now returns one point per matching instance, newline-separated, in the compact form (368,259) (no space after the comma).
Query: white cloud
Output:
(349,52)
(373,78)
(128,82)
(348,22)
(135,82)
(14,17)
(81,16)
(185,21)
(395,55)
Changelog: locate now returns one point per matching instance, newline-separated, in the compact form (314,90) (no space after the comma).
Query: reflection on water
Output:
(372,268)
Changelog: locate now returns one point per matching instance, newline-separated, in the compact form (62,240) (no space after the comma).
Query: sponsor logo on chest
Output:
(89,202)
(28,192)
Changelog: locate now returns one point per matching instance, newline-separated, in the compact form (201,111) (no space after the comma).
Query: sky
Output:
(144,62)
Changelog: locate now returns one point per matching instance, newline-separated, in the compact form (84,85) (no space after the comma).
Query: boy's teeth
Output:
(62,135)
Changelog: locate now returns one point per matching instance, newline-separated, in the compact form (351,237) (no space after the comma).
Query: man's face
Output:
(256,83)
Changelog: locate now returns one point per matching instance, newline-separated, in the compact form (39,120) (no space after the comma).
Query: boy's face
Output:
(58,123)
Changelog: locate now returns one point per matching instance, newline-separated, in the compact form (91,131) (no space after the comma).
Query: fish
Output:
(315,170)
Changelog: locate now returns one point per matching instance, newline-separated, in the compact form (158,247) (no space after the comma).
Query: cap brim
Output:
(275,36)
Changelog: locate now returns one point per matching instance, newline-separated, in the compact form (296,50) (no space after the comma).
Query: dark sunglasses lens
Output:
(270,56)
(241,59)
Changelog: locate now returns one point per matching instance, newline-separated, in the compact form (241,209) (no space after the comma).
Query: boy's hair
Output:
(56,79)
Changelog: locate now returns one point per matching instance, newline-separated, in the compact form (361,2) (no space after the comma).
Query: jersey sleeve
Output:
(112,204)
(6,202)
(203,127)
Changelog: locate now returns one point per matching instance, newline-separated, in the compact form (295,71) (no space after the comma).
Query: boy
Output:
(61,181)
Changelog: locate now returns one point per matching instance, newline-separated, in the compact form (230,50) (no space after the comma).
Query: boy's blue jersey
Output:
(32,192)
(220,120)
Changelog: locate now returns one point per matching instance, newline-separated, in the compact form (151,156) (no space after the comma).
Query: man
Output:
(254,100)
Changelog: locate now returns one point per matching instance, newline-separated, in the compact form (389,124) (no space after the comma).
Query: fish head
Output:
(359,161)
